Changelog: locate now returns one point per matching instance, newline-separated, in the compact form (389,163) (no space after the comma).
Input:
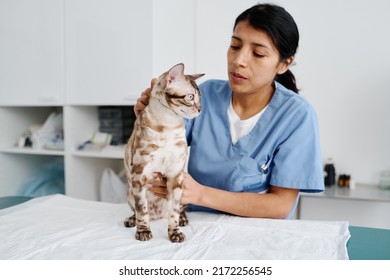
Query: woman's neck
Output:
(248,105)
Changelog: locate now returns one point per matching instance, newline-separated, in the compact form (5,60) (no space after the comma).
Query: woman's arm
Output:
(275,204)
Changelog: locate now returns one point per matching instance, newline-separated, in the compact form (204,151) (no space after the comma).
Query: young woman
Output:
(255,145)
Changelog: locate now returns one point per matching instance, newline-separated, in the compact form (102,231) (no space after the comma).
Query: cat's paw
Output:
(143,235)
(183,220)
(177,237)
(130,221)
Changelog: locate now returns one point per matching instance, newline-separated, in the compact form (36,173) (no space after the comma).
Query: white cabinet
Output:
(109,50)
(72,56)
(17,164)
(84,168)
(364,205)
(31,52)
(174,35)
(114,48)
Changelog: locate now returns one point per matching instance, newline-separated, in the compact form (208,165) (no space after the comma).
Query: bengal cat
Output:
(158,144)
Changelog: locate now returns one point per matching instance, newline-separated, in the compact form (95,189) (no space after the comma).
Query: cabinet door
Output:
(31,52)
(174,35)
(358,212)
(108,50)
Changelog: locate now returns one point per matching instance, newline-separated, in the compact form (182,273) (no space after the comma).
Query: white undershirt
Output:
(239,128)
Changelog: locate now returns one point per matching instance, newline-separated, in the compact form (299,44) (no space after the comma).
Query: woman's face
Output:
(253,60)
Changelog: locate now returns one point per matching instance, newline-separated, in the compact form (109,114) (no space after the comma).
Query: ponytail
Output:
(287,79)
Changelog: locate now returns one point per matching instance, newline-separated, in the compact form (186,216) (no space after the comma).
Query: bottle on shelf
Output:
(330,173)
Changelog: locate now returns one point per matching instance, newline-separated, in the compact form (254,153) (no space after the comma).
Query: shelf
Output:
(112,152)
(30,151)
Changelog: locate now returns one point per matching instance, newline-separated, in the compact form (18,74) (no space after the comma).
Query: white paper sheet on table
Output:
(61,227)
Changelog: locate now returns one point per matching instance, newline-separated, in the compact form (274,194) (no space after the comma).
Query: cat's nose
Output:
(198,107)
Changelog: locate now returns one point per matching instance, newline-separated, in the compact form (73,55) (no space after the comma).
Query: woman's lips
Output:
(236,77)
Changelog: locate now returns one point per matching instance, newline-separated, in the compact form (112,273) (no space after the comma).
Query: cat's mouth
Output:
(189,115)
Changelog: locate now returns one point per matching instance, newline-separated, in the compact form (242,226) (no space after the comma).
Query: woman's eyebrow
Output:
(255,44)
(236,38)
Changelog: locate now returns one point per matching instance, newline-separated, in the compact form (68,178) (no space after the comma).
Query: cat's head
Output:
(179,92)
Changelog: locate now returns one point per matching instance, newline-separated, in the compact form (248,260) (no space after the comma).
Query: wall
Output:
(341,67)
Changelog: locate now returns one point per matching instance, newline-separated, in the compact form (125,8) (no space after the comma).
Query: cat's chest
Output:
(168,139)
(162,148)
(168,154)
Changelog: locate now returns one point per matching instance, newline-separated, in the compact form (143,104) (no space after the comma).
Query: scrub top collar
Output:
(256,130)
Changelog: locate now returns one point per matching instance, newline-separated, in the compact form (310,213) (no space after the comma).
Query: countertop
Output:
(358,192)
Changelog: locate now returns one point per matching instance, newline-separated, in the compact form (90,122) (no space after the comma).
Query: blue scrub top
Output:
(283,149)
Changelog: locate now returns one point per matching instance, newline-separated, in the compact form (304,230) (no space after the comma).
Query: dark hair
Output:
(281,27)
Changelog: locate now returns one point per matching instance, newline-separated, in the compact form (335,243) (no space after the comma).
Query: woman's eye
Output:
(234,47)
(258,55)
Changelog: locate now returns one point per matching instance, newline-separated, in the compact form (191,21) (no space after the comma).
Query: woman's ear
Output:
(285,64)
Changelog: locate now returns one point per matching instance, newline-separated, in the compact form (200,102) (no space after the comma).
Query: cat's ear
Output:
(195,76)
(175,73)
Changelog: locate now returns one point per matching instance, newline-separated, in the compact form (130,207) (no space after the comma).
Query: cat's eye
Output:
(190,97)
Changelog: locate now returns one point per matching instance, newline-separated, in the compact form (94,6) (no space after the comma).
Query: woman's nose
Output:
(241,58)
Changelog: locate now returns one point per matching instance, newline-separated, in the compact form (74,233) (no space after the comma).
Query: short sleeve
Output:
(298,162)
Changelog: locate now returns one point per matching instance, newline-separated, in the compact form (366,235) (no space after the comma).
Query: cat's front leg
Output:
(130,221)
(174,233)
(143,232)
(183,220)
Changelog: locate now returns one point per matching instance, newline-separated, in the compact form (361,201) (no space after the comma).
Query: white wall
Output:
(342,68)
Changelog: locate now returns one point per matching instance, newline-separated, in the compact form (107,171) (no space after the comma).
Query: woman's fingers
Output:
(159,191)
(153,82)
(159,180)
(143,100)
(159,185)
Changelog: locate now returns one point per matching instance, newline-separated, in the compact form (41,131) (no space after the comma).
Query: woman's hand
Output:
(143,100)
(159,185)
(191,189)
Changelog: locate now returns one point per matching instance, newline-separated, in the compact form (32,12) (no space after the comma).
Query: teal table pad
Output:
(368,243)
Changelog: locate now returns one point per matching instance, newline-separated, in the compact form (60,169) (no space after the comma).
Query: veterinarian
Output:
(256,143)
